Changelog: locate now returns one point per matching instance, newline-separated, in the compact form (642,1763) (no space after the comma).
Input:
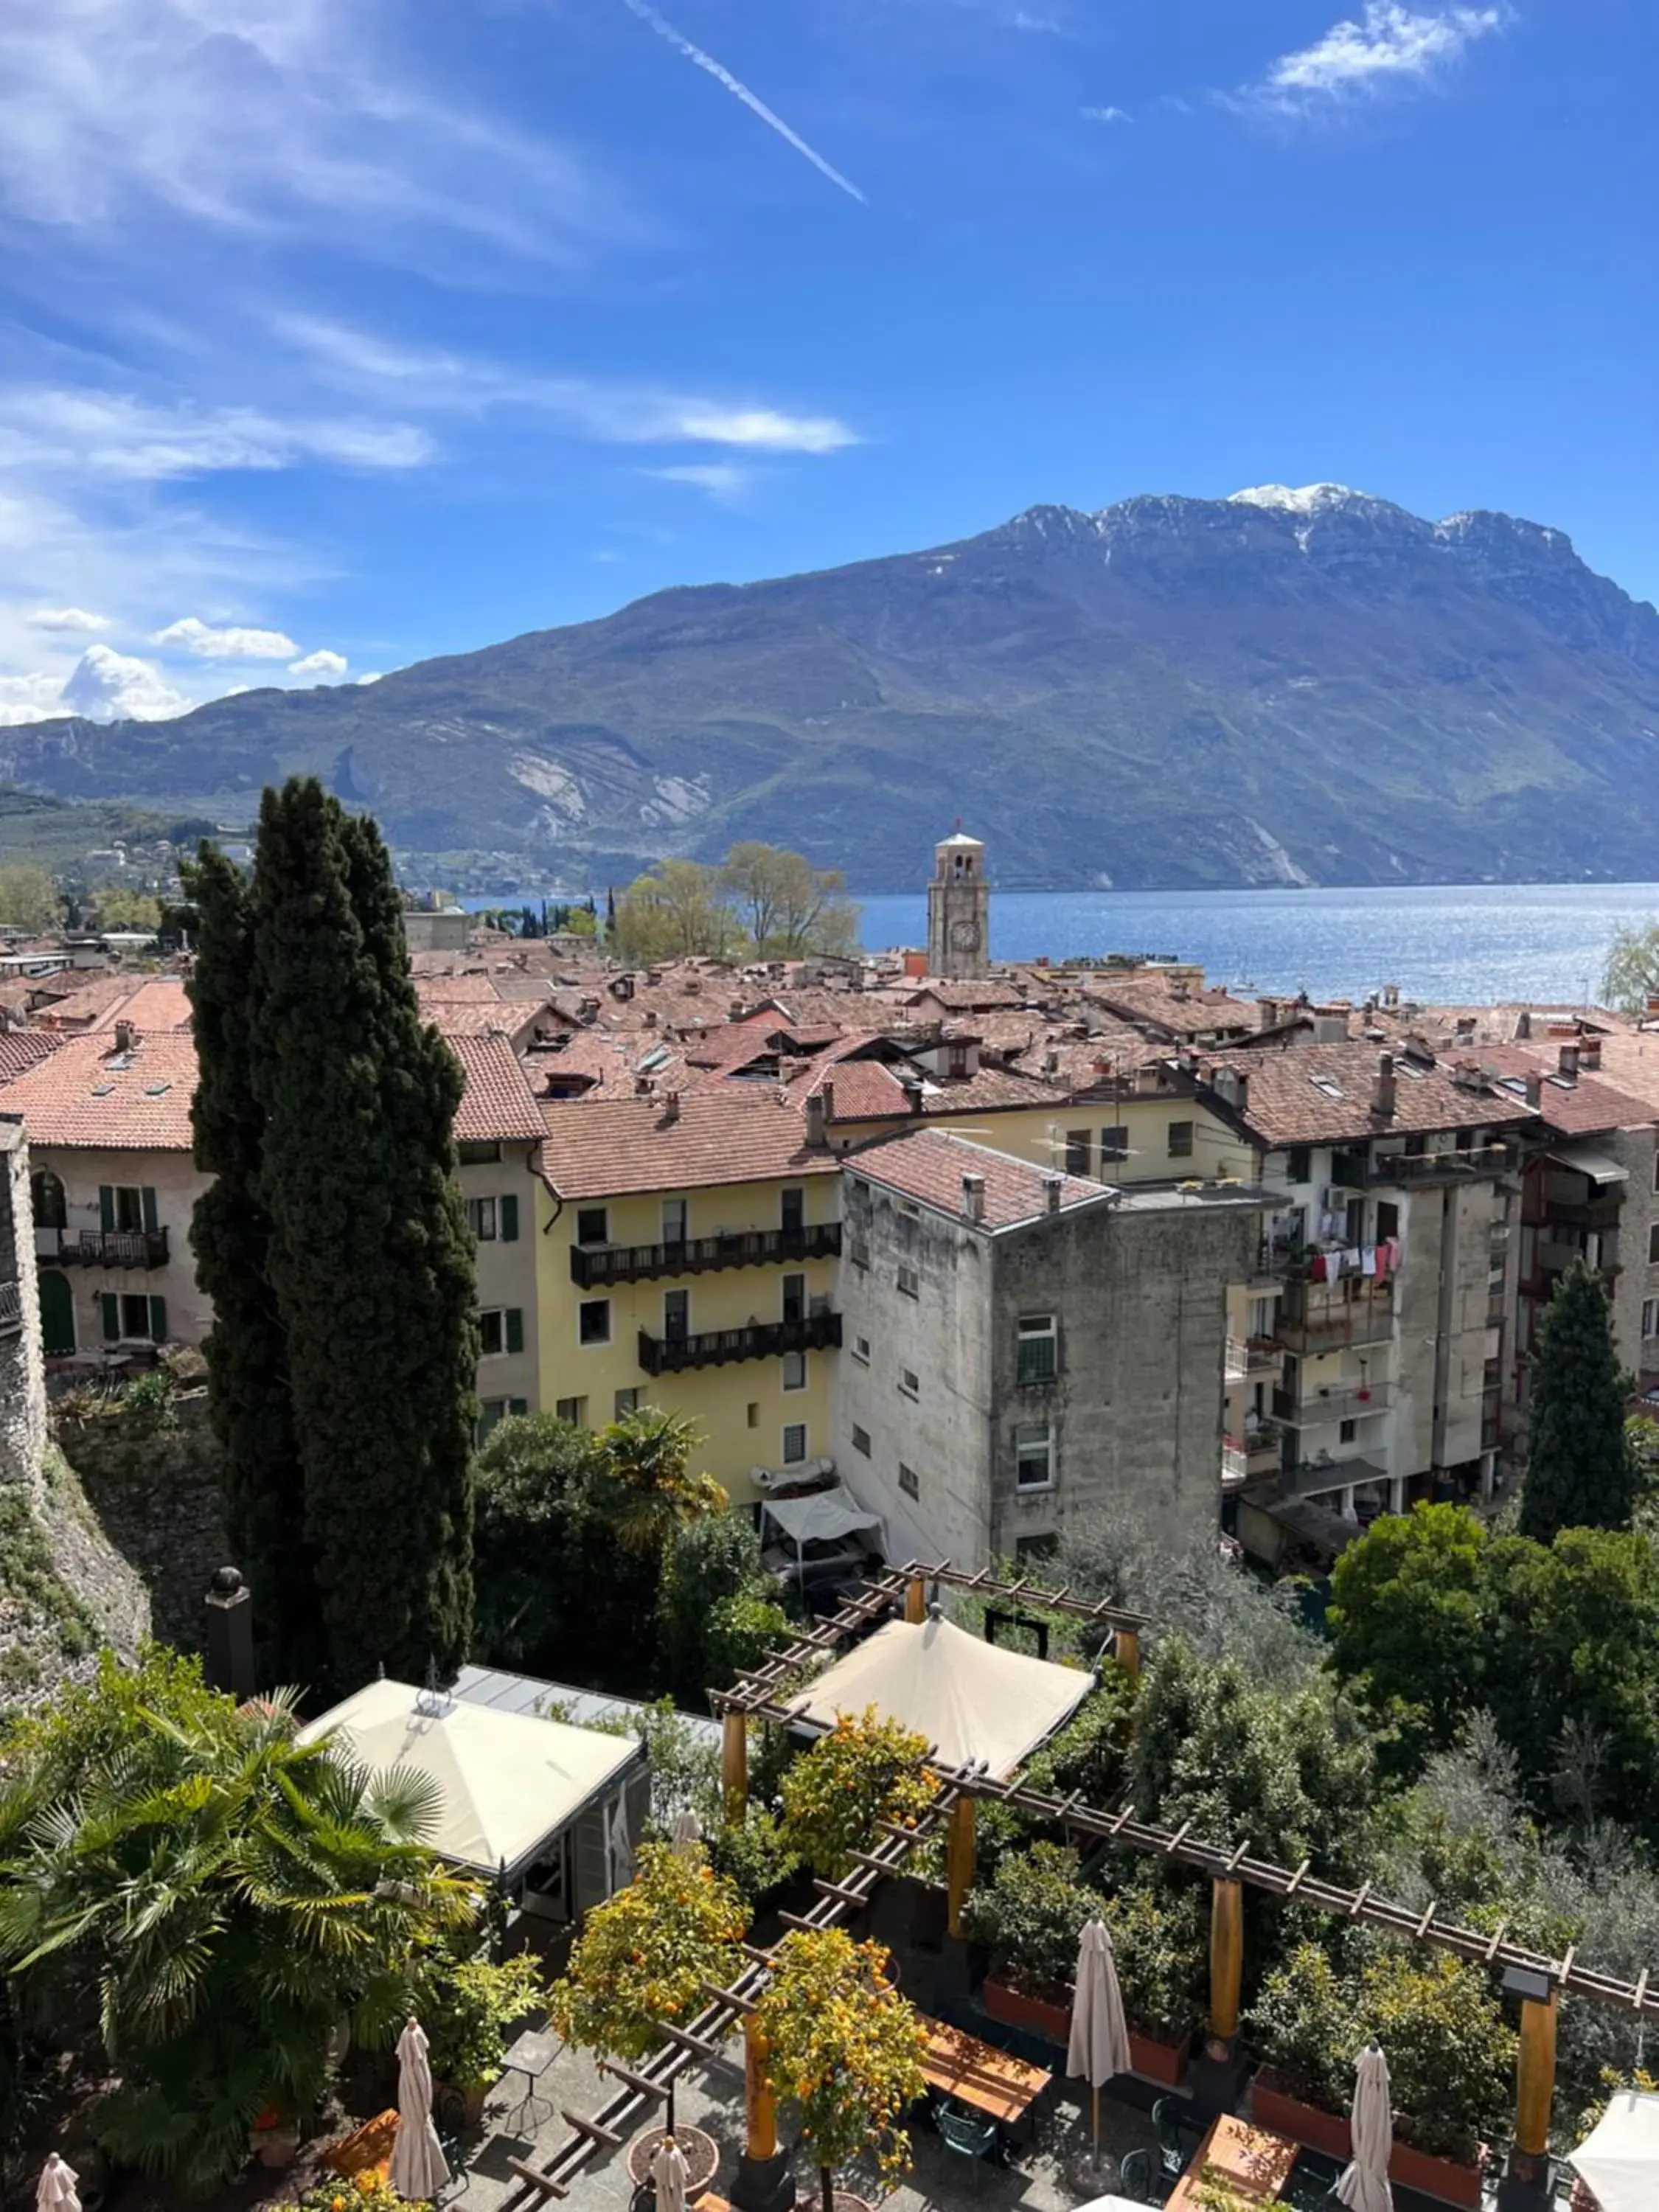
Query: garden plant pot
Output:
(277,2147)
(1017,2008)
(1158,2060)
(1447,2179)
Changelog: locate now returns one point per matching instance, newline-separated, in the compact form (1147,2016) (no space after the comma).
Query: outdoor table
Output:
(529,2058)
(979,2075)
(1253,2164)
(366,2150)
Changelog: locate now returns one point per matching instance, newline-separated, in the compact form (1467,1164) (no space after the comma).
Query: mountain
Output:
(1304,685)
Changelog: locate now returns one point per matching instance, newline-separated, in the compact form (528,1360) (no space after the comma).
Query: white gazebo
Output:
(975,1702)
(1618,2160)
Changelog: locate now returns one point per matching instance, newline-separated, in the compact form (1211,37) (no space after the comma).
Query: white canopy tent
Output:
(973,1699)
(508,1781)
(820,1516)
(1618,2160)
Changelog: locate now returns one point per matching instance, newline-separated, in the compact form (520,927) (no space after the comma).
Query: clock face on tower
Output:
(964,937)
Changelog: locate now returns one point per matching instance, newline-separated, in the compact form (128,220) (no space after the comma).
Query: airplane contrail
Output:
(682,45)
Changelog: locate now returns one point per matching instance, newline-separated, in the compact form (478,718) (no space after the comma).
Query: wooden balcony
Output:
(596,1266)
(103,1247)
(716,1347)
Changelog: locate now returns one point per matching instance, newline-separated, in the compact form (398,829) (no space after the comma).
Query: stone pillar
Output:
(764,2181)
(915,1601)
(1226,1956)
(734,1763)
(960,1860)
(229,1662)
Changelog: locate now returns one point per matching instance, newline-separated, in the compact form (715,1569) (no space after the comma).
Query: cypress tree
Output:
(230,1233)
(1581,1473)
(368,1257)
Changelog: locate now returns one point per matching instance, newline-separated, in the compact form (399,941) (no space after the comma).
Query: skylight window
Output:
(1327,1084)
(119,1060)
(156,1090)
(102,1089)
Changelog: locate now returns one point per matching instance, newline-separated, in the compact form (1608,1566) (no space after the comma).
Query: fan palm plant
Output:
(231,1894)
(646,1488)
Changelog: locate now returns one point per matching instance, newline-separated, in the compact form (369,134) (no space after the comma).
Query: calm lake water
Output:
(1449,944)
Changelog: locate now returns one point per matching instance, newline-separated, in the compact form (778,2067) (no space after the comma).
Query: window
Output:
(795,1297)
(501,1329)
(624,1403)
(573,1410)
(473,1150)
(1034,1456)
(794,1371)
(1651,1316)
(1037,1349)
(677,1316)
(673,1221)
(791,1212)
(1180,1140)
(859,1250)
(593,1321)
(492,1410)
(481,1220)
(46,1192)
(1028,1550)
(861,1349)
(1653,1242)
(908,1208)
(958,1063)
(1298,1163)
(132,1318)
(754,1413)
(1114,1144)
(1347,1431)
(794,1444)
(907,1482)
(593,1225)
(909,1382)
(908,1283)
(1079,1150)
(860,1440)
(1656,1171)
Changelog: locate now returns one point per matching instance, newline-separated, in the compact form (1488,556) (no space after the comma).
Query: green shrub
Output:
(1160,1935)
(754,1852)
(467,2007)
(1030,1916)
(1451,2054)
(1303,2025)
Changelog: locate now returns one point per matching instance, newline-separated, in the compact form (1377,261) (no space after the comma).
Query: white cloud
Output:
(1105,115)
(763,426)
(372,675)
(66,619)
(1390,44)
(721,480)
(88,432)
(236,643)
(320,663)
(32,698)
(108,686)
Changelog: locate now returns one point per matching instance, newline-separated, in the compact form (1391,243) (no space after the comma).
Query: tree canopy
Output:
(761,902)
(1631,971)
(28,897)
(1408,1618)
(1581,1470)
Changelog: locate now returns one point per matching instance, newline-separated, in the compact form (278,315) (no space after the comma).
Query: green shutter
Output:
(158,1320)
(147,1198)
(106,1207)
(111,1306)
(508,1212)
(515,1329)
(519,1405)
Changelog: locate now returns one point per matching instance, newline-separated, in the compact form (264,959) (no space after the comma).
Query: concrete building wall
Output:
(23,1383)
(1635,1288)
(506,1270)
(176,1183)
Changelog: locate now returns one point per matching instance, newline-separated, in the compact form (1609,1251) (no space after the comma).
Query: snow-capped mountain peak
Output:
(1306,499)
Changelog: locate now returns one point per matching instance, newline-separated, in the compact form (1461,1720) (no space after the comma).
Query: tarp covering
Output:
(821,1515)
(508,1781)
(1618,2160)
(1585,1160)
(973,1699)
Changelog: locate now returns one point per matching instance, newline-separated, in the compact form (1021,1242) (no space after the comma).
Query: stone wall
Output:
(23,1383)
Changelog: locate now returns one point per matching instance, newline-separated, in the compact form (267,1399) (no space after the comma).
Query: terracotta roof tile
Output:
(159,1002)
(89,1095)
(928,1165)
(21,1049)
(1177,1013)
(606,1148)
(985,997)
(1319,1094)
(1576,1109)
(497,1102)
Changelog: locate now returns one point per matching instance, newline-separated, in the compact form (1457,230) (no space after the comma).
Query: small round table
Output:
(699,2149)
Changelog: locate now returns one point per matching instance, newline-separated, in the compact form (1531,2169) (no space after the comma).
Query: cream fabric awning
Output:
(972,1699)
(821,1514)
(509,1780)
(1585,1160)
(1619,2160)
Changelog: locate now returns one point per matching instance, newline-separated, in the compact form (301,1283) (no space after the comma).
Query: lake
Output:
(1452,944)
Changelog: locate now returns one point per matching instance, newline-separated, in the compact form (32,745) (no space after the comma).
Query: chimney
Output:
(1267,1013)
(1391,994)
(1051,1061)
(671,1106)
(973,1197)
(1054,1187)
(816,1120)
(1385,1092)
(1534,1088)
(1569,1063)
(1590,1056)
(734,1010)
(126,1037)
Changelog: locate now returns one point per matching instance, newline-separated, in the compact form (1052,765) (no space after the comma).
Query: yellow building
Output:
(687,1259)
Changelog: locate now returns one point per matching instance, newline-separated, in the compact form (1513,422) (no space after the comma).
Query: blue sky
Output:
(335,333)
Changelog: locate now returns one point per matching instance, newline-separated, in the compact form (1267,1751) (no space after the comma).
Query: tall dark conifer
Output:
(230,1233)
(1581,1471)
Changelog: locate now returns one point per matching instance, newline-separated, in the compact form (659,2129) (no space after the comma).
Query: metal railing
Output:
(594,1266)
(1352,1403)
(103,1247)
(1326,1328)
(716,1347)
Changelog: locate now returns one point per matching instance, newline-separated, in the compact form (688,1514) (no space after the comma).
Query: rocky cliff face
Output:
(1291,685)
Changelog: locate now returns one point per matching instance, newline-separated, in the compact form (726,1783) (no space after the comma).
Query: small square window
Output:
(860,1440)
(907,1482)
(909,1382)
(794,1444)
(859,1251)
(909,1283)
(474,1150)
(1180,1140)
(1298,1163)
(1037,1349)
(491,1411)
(1114,1144)
(624,1403)
(592,1224)
(1653,1242)
(1347,1431)
(754,1413)
(1651,1316)
(908,1208)
(492,1333)
(1034,1456)
(593,1321)
(861,1349)
(794,1371)
(1078,1152)
(481,1220)
(573,1410)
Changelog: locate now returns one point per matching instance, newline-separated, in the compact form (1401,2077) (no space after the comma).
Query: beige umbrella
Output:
(670,2176)
(56,2192)
(1364,2184)
(1099,2044)
(686,1833)
(419,2169)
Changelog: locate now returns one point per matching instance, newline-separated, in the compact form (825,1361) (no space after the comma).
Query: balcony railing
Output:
(1444,1167)
(1353,1404)
(11,1309)
(1328,1328)
(103,1247)
(1602,1213)
(597,1265)
(714,1347)
(1234,1465)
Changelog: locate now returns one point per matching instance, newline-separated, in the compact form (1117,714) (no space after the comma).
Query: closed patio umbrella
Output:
(419,2168)
(686,1833)
(1099,2044)
(669,2175)
(1363,2186)
(1618,2160)
(56,2192)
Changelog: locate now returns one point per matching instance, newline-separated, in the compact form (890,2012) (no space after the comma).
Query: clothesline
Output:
(1378,1262)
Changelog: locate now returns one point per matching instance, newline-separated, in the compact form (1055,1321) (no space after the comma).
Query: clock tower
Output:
(958,910)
